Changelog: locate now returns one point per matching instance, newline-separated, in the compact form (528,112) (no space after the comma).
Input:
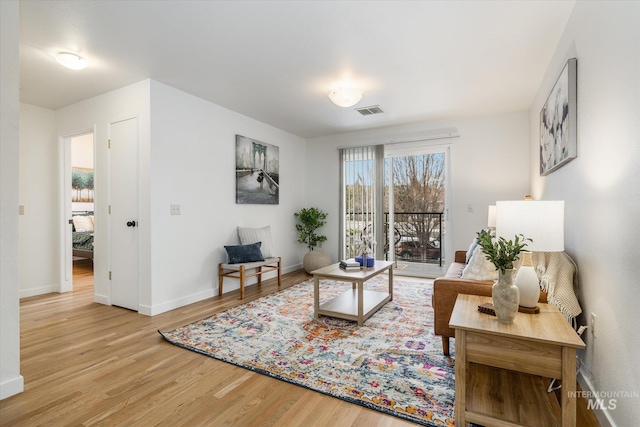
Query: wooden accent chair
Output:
(255,266)
(247,270)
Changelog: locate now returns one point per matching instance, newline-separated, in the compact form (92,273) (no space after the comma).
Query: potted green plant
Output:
(309,221)
(503,254)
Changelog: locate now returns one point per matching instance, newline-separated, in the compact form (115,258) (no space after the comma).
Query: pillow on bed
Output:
(253,235)
(82,223)
(239,254)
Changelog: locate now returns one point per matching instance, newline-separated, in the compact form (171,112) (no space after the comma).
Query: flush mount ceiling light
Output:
(345,96)
(71,60)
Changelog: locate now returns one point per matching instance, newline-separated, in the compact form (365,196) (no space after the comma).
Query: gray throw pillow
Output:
(251,235)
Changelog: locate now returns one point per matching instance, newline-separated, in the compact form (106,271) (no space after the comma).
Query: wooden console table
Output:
(355,304)
(499,367)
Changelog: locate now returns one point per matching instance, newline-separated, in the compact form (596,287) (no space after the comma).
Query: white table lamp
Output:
(539,220)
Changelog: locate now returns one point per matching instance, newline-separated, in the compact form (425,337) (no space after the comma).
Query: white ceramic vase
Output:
(506,297)
(528,283)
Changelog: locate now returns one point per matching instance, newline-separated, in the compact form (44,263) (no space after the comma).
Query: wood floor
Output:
(89,364)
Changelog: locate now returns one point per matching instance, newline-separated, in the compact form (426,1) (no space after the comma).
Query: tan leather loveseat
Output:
(446,290)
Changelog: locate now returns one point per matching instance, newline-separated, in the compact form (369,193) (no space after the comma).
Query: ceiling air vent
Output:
(367,111)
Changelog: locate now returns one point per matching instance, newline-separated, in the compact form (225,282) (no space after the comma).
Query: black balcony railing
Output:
(417,236)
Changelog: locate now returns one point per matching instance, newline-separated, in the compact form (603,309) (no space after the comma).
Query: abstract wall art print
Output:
(558,122)
(257,172)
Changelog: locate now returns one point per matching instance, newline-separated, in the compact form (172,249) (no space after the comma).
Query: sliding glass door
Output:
(415,208)
(394,203)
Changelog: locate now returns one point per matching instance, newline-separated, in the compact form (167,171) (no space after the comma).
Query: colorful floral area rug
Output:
(392,364)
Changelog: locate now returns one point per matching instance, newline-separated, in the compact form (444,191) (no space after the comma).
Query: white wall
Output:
(193,165)
(601,189)
(82,151)
(11,382)
(187,157)
(39,226)
(95,114)
(489,162)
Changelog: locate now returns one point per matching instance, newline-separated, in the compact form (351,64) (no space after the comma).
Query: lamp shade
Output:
(539,220)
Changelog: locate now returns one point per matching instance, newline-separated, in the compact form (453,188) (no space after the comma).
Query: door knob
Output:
(131,223)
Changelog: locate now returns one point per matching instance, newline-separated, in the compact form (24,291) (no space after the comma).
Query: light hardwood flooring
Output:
(89,364)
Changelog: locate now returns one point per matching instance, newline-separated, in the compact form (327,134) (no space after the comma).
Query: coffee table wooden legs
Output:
(391,284)
(316,296)
(360,302)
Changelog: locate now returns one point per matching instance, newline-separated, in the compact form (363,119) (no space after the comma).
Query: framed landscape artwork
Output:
(257,172)
(558,122)
(82,185)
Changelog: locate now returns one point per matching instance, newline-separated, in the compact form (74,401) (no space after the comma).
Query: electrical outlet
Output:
(175,209)
(593,324)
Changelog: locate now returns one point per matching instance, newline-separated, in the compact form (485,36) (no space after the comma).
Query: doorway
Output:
(394,198)
(415,209)
(79,206)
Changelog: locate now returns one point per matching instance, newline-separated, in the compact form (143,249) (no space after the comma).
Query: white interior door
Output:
(123,218)
(66,282)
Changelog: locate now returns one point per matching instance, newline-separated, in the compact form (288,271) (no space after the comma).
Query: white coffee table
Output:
(357,303)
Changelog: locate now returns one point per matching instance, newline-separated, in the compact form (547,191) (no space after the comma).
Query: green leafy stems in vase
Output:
(502,254)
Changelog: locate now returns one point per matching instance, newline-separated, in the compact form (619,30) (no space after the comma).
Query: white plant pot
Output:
(316,259)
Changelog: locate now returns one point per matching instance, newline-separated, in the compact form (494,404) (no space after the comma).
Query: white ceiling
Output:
(276,61)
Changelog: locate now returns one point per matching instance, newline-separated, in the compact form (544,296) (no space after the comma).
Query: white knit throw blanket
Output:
(558,276)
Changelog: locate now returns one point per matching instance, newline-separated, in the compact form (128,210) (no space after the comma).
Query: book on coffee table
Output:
(349,264)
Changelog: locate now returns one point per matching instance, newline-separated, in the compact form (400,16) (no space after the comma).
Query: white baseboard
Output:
(145,310)
(176,303)
(31,292)
(230,285)
(11,387)
(602,414)
(101,299)
(291,268)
